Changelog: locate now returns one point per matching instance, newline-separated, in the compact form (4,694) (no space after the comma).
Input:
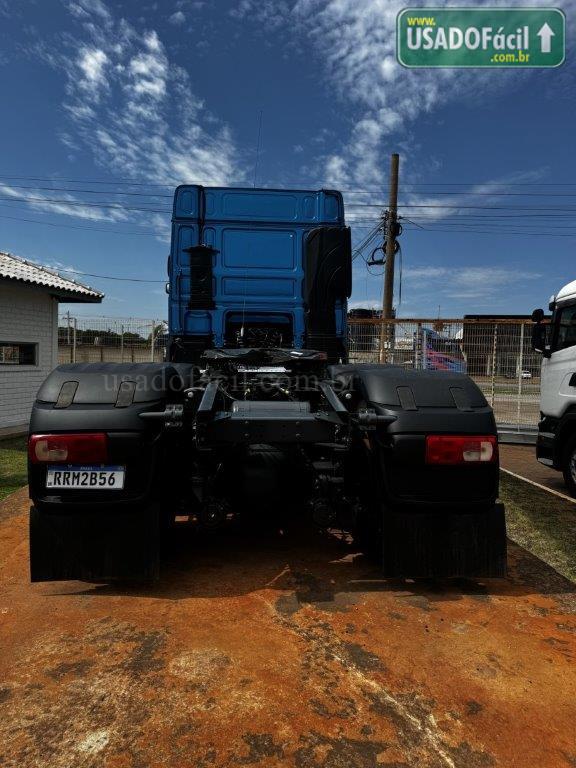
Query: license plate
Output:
(88,478)
(262,369)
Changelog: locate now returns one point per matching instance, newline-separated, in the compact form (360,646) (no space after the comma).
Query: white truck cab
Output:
(556,341)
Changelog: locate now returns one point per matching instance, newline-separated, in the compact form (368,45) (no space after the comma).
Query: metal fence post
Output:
(418,352)
(493,381)
(121,343)
(520,368)
(152,341)
(381,351)
(74,332)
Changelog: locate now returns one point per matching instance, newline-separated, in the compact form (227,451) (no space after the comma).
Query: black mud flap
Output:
(94,546)
(445,545)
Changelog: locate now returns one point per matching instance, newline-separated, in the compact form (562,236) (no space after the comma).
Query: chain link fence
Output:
(110,340)
(497,354)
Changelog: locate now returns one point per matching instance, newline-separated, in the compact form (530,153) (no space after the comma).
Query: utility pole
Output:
(386,339)
(391,233)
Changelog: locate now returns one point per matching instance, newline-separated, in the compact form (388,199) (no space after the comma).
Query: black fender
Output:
(92,534)
(431,520)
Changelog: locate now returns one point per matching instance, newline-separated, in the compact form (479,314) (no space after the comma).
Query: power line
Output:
(470,207)
(507,194)
(349,204)
(455,219)
(87,191)
(116,182)
(367,240)
(469,185)
(124,181)
(110,277)
(81,203)
(502,224)
(497,217)
(71,226)
(493,183)
(121,181)
(495,232)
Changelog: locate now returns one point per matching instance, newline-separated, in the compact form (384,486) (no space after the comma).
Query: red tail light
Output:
(461,449)
(89,448)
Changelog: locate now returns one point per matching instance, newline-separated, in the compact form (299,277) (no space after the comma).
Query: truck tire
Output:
(569,466)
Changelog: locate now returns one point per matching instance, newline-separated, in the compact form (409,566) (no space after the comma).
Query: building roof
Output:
(66,289)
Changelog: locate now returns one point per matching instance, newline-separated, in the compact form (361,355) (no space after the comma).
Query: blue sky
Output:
(107,106)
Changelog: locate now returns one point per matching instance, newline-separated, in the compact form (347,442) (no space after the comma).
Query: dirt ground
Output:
(283,650)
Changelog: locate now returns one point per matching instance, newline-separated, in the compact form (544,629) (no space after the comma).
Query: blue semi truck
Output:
(257,409)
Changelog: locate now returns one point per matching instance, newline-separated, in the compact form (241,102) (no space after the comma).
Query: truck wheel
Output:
(569,466)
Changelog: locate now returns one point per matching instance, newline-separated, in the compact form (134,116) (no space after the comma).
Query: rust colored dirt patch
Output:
(283,650)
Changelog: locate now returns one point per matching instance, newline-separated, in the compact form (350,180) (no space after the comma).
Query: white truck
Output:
(556,341)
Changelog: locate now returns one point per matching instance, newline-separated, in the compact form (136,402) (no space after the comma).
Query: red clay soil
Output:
(283,650)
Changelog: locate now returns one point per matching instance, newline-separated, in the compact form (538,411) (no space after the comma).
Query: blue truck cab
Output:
(258,268)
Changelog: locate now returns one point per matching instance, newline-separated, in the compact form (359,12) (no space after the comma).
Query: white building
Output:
(29,297)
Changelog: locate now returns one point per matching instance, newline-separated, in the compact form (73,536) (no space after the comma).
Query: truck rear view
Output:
(258,408)
(258,268)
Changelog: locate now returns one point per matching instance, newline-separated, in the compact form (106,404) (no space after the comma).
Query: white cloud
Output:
(268,14)
(80,111)
(134,109)
(64,204)
(355,43)
(92,63)
(429,210)
(457,288)
(177,18)
(465,282)
(85,8)
(149,72)
(425,273)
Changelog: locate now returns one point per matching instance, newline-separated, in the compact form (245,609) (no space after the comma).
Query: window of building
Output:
(18,353)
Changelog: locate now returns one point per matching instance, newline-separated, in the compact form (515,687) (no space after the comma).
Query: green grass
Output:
(13,473)
(542,523)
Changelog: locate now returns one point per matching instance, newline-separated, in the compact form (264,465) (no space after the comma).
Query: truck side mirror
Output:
(540,338)
(537,315)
